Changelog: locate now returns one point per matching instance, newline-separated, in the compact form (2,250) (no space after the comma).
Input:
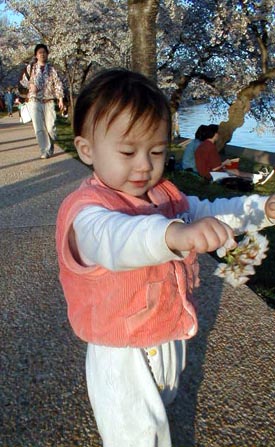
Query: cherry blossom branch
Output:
(240,261)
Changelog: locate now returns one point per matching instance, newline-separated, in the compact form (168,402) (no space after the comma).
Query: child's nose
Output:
(144,163)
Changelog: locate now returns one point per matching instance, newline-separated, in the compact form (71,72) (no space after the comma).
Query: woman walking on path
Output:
(44,85)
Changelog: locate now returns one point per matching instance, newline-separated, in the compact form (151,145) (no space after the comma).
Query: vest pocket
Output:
(158,319)
(140,318)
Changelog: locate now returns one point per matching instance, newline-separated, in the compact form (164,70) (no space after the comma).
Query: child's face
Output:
(131,163)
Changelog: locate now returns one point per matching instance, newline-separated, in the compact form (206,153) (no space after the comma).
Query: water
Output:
(191,117)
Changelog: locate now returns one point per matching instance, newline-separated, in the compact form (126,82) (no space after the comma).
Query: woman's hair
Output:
(201,133)
(112,91)
(39,46)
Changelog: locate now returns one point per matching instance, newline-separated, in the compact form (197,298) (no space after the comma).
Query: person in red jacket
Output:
(208,160)
(207,156)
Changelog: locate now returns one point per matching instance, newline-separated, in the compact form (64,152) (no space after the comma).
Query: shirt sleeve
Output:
(58,86)
(246,213)
(25,80)
(118,241)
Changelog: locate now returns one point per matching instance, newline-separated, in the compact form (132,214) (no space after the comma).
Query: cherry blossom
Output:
(240,261)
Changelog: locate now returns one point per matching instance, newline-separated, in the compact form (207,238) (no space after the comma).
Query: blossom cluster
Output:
(240,261)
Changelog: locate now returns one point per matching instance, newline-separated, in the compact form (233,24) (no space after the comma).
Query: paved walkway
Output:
(227,392)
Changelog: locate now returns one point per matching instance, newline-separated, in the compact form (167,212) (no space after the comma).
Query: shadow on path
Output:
(20,163)
(183,412)
(52,178)
(16,141)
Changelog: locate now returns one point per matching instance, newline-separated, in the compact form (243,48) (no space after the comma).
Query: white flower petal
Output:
(221,252)
(250,252)
(236,281)
(251,228)
(221,270)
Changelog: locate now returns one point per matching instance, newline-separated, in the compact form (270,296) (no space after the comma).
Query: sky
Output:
(13,18)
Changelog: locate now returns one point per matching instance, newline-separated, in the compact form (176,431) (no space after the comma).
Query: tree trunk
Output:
(175,103)
(71,105)
(142,15)
(177,94)
(239,108)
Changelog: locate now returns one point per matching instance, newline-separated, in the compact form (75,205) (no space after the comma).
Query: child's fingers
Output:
(204,235)
(230,244)
(211,234)
(225,237)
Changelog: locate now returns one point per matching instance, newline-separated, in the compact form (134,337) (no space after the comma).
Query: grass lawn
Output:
(65,135)
(263,282)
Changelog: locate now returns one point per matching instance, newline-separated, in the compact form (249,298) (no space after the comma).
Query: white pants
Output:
(43,120)
(128,390)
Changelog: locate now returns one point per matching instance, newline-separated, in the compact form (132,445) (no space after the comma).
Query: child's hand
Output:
(203,236)
(270,207)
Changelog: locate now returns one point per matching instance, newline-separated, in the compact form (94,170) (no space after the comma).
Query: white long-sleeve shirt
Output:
(118,241)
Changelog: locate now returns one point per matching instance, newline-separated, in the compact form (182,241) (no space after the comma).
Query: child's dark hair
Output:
(39,46)
(112,91)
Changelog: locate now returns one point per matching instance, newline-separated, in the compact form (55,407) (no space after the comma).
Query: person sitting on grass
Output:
(207,157)
(188,158)
(208,161)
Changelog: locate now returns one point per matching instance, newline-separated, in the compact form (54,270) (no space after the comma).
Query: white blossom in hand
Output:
(250,252)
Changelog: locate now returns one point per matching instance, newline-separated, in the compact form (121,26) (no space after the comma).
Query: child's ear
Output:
(84,149)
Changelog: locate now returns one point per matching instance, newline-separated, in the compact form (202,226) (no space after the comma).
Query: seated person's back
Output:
(188,159)
(206,155)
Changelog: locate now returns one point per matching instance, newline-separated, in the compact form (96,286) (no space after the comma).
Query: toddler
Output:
(127,243)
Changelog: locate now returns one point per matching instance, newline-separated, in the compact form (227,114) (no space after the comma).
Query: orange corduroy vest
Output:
(138,308)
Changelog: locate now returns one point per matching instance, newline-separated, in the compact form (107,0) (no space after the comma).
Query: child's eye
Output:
(157,152)
(127,154)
